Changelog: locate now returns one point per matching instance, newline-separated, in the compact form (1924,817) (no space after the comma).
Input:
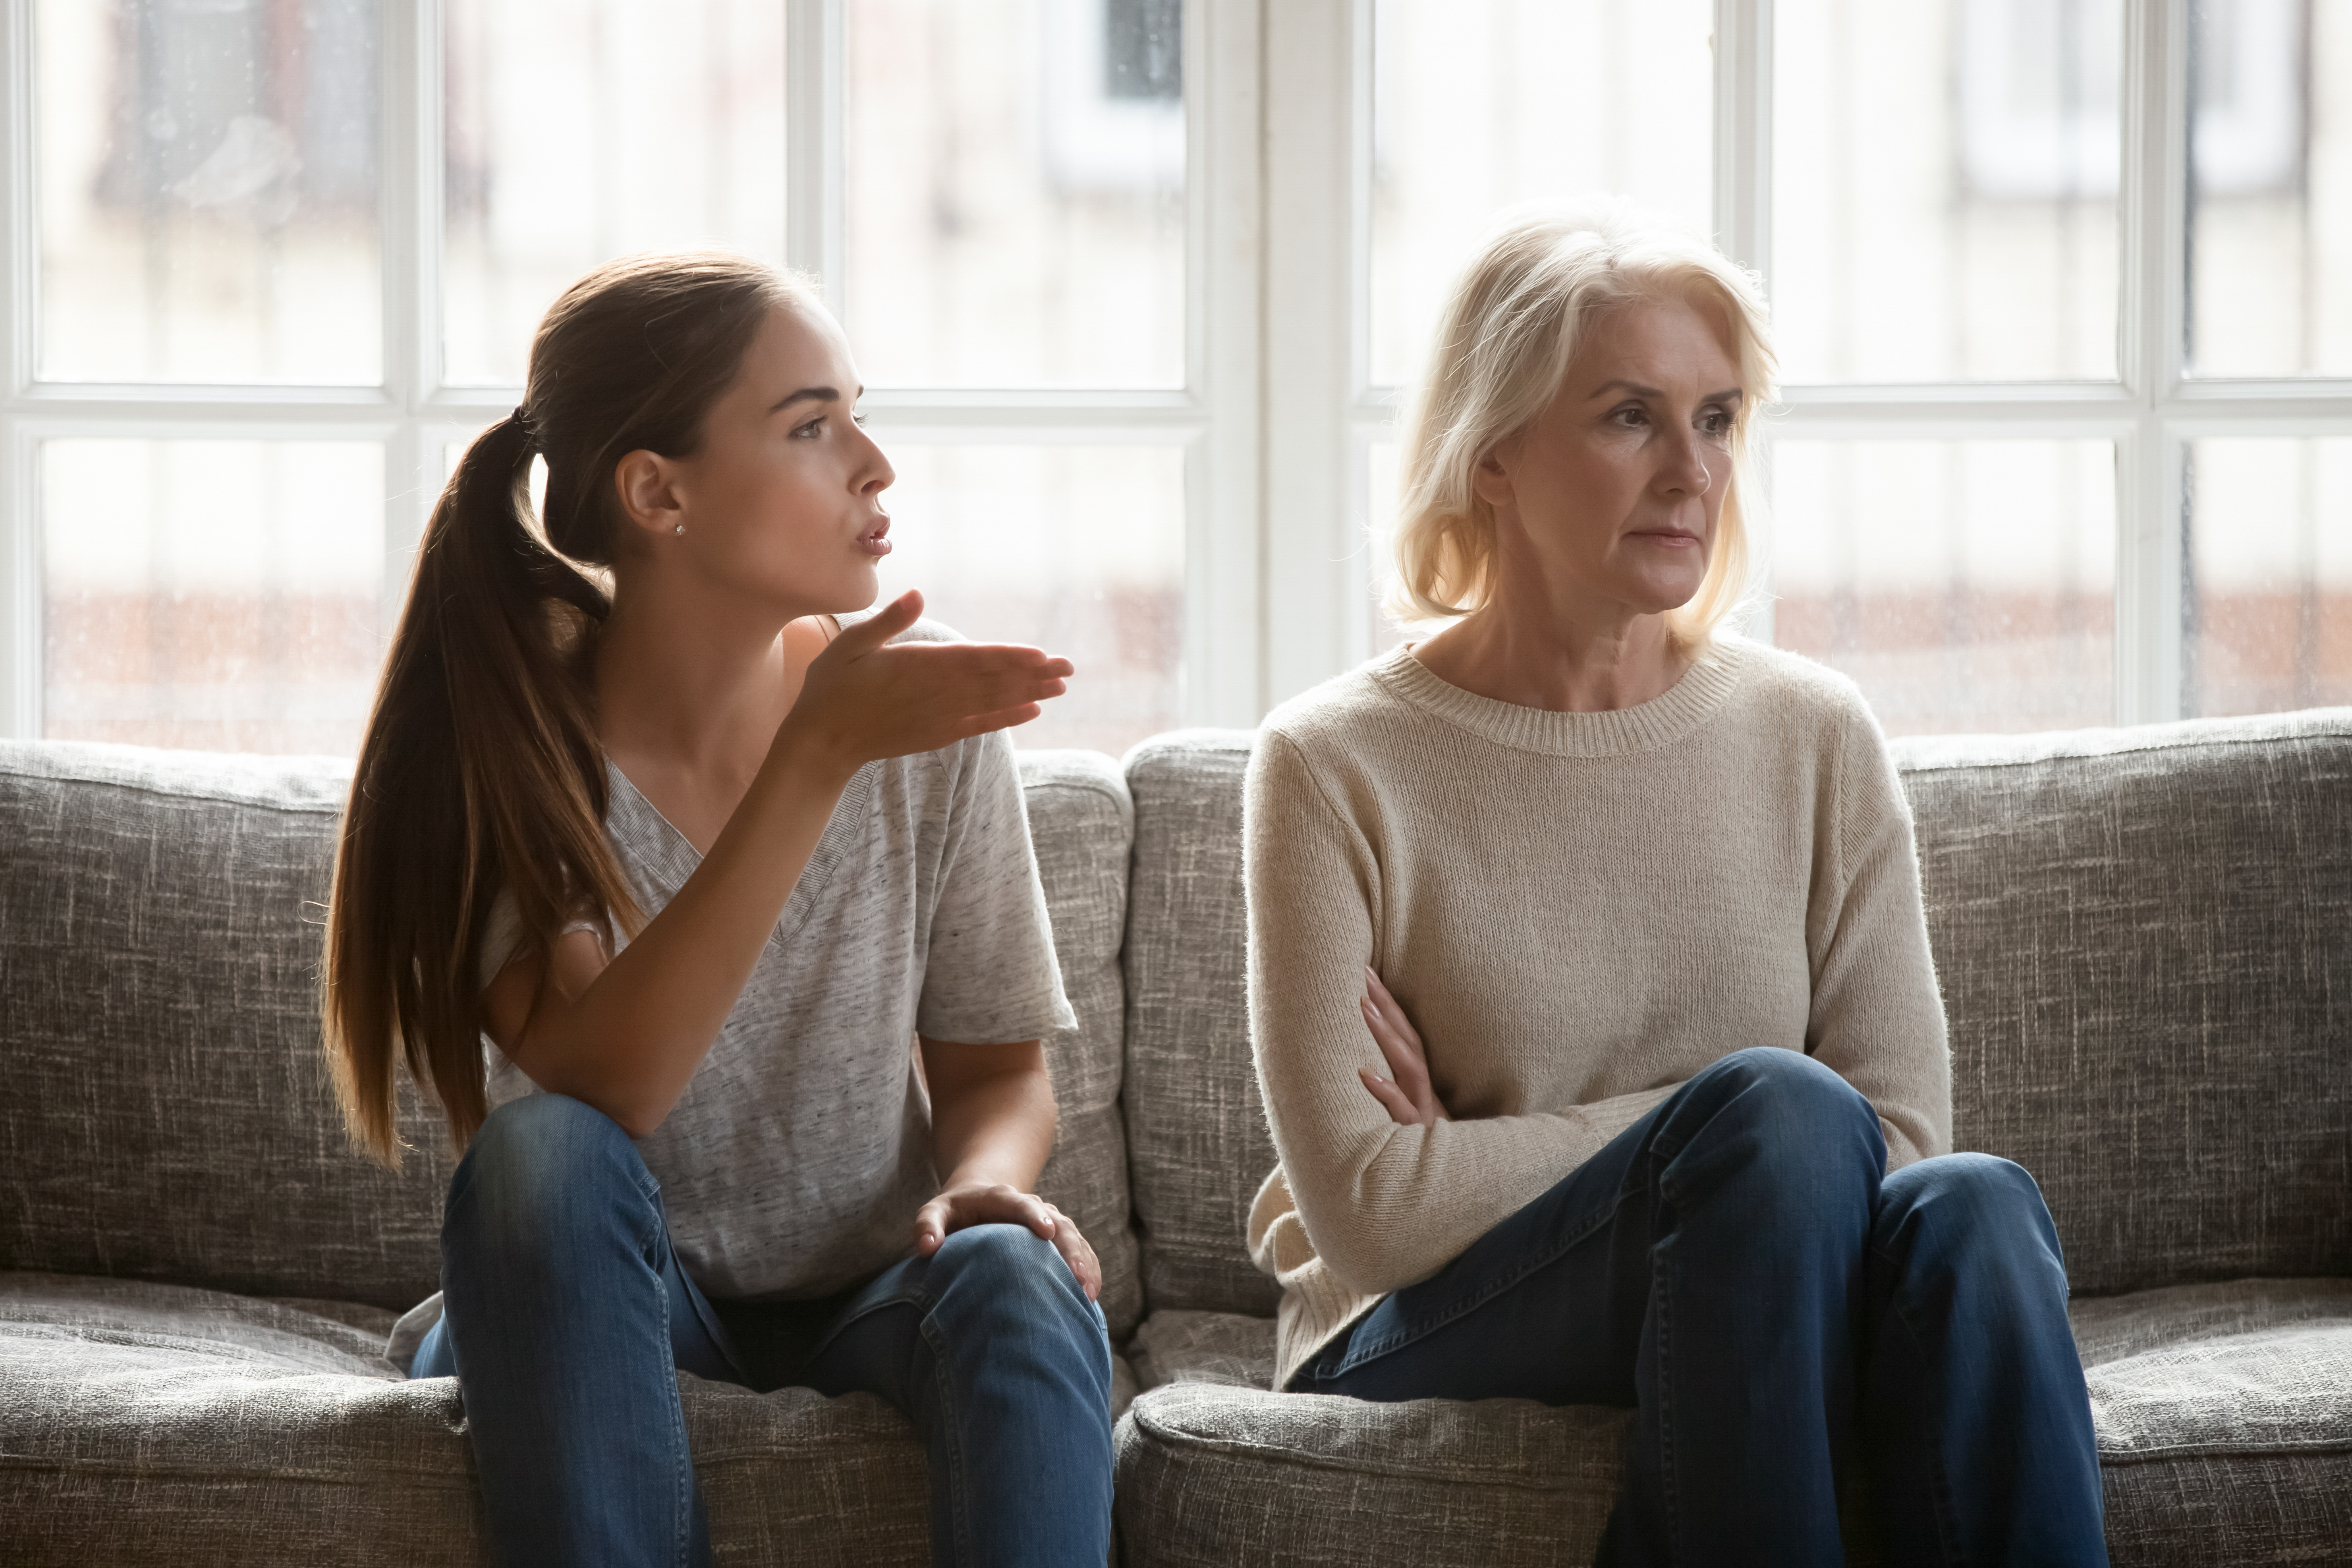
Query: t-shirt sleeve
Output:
(990,976)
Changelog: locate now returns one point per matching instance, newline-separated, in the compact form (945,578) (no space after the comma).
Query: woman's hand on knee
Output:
(1406,1094)
(995,1203)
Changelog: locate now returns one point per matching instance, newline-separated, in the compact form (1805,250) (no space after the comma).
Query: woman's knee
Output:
(1973,1206)
(539,1162)
(1007,1271)
(1794,1101)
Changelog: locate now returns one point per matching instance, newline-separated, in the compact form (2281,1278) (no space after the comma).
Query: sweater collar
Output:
(1664,718)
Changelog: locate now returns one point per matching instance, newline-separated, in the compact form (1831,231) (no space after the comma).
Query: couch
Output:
(2144,937)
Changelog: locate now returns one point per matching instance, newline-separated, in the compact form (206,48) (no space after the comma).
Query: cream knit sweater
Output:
(1579,911)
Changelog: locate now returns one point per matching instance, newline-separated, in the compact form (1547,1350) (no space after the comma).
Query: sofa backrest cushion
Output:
(2145,941)
(1196,1133)
(168,1115)
(1084,827)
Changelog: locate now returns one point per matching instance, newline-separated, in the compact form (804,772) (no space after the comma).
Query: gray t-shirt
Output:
(796,1160)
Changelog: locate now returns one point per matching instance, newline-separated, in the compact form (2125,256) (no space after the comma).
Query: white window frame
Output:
(1278,407)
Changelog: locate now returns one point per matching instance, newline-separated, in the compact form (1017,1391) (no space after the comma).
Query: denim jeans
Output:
(1736,1268)
(565,1311)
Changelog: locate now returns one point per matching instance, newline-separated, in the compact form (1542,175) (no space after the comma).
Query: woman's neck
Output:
(689,697)
(1561,662)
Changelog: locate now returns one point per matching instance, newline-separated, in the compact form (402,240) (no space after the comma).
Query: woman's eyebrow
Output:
(1729,395)
(817,393)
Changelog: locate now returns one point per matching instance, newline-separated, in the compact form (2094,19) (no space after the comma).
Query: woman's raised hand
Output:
(864,697)
(1406,1094)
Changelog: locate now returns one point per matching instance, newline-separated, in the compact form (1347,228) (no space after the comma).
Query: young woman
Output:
(1671,1132)
(703,858)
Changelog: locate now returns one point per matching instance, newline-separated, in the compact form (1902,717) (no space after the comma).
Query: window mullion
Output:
(1743,132)
(20,561)
(1224,520)
(2152,312)
(815,109)
(1316,596)
(412,133)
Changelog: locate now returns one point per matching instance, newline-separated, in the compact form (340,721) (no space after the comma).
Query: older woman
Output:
(1590,988)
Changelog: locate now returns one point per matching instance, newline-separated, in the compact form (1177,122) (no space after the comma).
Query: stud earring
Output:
(679,528)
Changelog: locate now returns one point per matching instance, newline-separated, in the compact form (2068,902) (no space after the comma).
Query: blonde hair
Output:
(1510,327)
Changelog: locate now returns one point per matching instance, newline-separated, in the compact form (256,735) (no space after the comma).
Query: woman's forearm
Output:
(992,1114)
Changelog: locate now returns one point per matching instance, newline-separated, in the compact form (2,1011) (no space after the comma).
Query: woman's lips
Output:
(874,540)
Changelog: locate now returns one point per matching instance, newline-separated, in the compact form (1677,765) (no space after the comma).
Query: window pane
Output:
(583,130)
(1480,104)
(2267,609)
(1966,585)
(1078,550)
(1016,192)
(206,183)
(2269,208)
(1944,188)
(216,595)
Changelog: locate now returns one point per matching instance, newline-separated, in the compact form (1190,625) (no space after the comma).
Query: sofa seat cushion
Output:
(2223,1412)
(2224,1416)
(153,1424)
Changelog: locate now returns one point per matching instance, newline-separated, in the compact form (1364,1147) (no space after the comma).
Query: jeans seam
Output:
(682,1477)
(958,1519)
(1463,1305)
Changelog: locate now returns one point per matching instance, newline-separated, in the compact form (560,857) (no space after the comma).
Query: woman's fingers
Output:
(994,1205)
(1391,1008)
(1399,1046)
(1404,1063)
(1076,1253)
(1400,1108)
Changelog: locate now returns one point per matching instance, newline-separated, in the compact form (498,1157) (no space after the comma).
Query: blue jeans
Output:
(565,1312)
(1736,1268)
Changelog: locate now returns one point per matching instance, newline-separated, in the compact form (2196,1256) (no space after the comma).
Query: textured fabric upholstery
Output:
(1214,1477)
(2144,941)
(152,1424)
(169,1114)
(1083,825)
(1196,1135)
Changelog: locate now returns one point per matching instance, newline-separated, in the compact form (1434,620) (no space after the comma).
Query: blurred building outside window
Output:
(2063,439)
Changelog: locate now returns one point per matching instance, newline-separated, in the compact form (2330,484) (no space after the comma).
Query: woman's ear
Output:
(1490,478)
(646,484)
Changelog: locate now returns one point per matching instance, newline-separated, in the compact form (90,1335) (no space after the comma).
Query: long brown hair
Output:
(480,770)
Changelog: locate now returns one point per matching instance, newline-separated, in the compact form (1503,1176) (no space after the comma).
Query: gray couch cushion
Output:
(1196,1135)
(2224,1416)
(169,1114)
(1084,823)
(1217,1477)
(147,1423)
(2145,940)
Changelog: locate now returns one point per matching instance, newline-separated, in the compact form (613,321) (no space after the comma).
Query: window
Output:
(2064,289)
(287,258)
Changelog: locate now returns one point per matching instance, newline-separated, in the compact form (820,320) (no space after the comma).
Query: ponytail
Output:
(480,771)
